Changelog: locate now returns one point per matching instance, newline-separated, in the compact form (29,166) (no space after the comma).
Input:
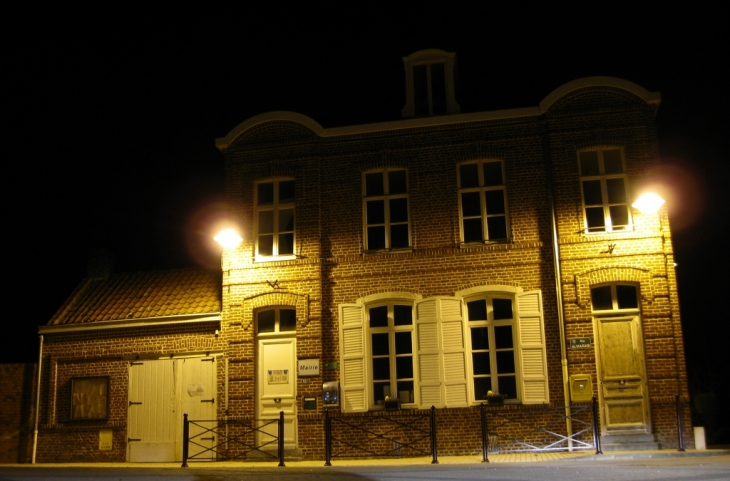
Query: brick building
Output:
(431,260)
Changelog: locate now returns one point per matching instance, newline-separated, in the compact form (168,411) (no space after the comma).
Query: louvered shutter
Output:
(532,348)
(353,378)
(441,353)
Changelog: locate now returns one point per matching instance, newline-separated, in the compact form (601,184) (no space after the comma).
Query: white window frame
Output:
(387,223)
(484,213)
(490,323)
(275,208)
(391,331)
(615,309)
(605,204)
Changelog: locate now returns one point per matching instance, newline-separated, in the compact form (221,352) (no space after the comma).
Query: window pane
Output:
(286,220)
(589,163)
(469,175)
(497,227)
(404,367)
(403,315)
(266,222)
(265,193)
(266,245)
(380,344)
(592,192)
(508,386)
(286,244)
(616,191)
(495,201)
(381,368)
(420,89)
(503,337)
(502,308)
(619,216)
(287,320)
(473,230)
(477,310)
(480,361)
(505,362)
(397,182)
(438,89)
(380,390)
(376,237)
(398,210)
(470,204)
(405,391)
(403,344)
(595,219)
(479,338)
(482,385)
(379,316)
(286,191)
(492,173)
(399,236)
(374,183)
(626,296)
(601,298)
(375,212)
(267,321)
(612,162)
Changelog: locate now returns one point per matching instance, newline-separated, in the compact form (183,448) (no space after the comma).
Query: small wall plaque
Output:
(308,367)
(580,343)
(310,403)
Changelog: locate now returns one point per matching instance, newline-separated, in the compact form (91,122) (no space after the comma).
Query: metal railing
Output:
(400,434)
(539,428)
(231,446)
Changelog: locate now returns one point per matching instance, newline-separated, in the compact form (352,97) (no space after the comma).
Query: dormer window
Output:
(430,84)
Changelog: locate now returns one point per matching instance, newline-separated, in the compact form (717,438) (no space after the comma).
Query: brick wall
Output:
(17,412)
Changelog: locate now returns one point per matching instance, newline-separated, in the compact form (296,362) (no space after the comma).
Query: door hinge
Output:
(134,402)
(129,440)
(208,439)
(207,400)
(135,363)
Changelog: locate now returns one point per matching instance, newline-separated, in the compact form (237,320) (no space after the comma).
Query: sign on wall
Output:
(308,367)
(278,376)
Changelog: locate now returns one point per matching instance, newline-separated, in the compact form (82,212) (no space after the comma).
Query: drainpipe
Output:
(558,282)
(37,398)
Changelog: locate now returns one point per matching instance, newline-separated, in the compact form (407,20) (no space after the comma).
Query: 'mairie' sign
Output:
(308,367)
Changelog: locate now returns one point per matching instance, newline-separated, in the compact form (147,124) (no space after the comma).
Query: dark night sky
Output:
(110,123)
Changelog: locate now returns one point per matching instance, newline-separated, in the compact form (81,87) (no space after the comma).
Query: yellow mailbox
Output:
(581,387)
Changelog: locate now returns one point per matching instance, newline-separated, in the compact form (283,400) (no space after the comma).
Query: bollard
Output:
(596,431)
(485,432)
(327,438)
(186,435)
(433,436)
(679,423)
(281,438)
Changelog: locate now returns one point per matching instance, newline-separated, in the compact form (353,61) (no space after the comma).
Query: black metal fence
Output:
(383,434)
(539,428)
(231,439)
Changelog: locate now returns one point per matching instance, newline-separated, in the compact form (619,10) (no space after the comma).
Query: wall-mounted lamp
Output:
(648,203)
(228,238)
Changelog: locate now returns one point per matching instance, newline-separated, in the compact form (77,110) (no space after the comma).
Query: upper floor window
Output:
(430,83)
(614,297)
(391,349)
(603,183)
(387,224)
(275,218)
(491,329)
(482,201)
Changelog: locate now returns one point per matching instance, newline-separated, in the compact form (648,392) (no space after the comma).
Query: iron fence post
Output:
(433,436)
(186,435)
(596,432)
(679,423)
(327,438)
(281,438)
(485,433)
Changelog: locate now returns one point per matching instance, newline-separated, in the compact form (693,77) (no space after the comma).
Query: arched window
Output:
(276,320)
(614,297)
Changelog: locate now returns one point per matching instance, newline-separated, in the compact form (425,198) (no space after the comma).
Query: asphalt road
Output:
(668,469)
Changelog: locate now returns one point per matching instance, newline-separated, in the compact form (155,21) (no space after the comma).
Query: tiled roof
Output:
(136,295)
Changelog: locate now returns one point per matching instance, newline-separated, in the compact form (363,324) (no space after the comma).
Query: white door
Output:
(277,388)
(160,392)
(152,428)
(622,376)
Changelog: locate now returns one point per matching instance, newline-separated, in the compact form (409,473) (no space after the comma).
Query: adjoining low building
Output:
(431,260)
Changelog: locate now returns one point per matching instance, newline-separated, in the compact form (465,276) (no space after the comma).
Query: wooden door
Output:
(277,388)
(622,376)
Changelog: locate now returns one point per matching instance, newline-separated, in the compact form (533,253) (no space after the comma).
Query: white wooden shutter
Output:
(353,376)
(532,348)
(441,353)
